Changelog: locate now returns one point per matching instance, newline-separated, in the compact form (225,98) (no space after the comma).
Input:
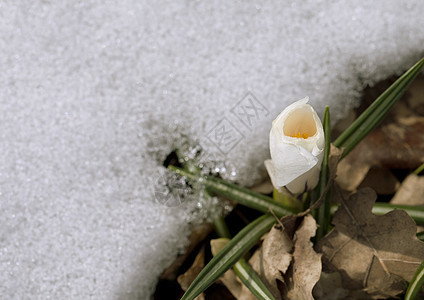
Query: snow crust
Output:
(95,94)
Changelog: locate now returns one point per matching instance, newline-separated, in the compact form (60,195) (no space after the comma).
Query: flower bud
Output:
(296,143)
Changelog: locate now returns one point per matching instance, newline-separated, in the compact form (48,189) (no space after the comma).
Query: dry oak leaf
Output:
(329,287)
(198,234)
(333,162)
(229,279)
(380,180)
(374,254)
(270,260)
(187,278)
(397,143)
(306,268)
(411,191)
(184,280)
(285,264)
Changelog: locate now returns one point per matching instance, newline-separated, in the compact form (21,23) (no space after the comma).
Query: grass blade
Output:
(287,201)
(240,195)
(419,170)
(420,235)
(324,210)
(251,280)
(242,269)
(229,255)
(416,283)
(221,228)
(415,212)
(375,113)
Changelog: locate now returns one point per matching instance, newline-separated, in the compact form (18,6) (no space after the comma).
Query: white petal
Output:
(289,161)
(278,123)
(295,162)
(271,172)
(305,181)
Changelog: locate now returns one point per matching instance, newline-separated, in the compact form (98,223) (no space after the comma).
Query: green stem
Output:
(324,209)
(229,255)
(415,212)
(250,279)
(416,283)
(221,227)
(242,269)
(376,112)
(287,201)
(419,170)
(239,194)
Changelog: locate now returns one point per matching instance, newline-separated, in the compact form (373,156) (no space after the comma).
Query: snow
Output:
(94,95)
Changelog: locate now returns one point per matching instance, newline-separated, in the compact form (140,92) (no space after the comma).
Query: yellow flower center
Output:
(300,123)
(299,135)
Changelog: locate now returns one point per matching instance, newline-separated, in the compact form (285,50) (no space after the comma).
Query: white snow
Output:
(95,94)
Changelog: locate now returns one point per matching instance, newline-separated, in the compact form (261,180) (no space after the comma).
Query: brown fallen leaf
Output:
(280,270)
(198,234)
(380,180)
(184,280)
(187,278)
(273,257)
(306,267)
(218,244)
(265,187)
(398,143)
(329,287)
(350,173)
(374,254)
(333,162)
(229,279)
(416,93)
(343,124)
(270,260)
(232,283)
(411,191)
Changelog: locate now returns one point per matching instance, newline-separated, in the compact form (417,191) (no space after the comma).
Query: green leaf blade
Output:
(324,210)
(229,255)
(416,283)
(376,112)
(415,212)
(419,170)
(251,280)
(242,269)
(420,235)
(239,194)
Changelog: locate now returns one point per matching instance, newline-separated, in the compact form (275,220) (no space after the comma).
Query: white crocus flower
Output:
(296,143)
